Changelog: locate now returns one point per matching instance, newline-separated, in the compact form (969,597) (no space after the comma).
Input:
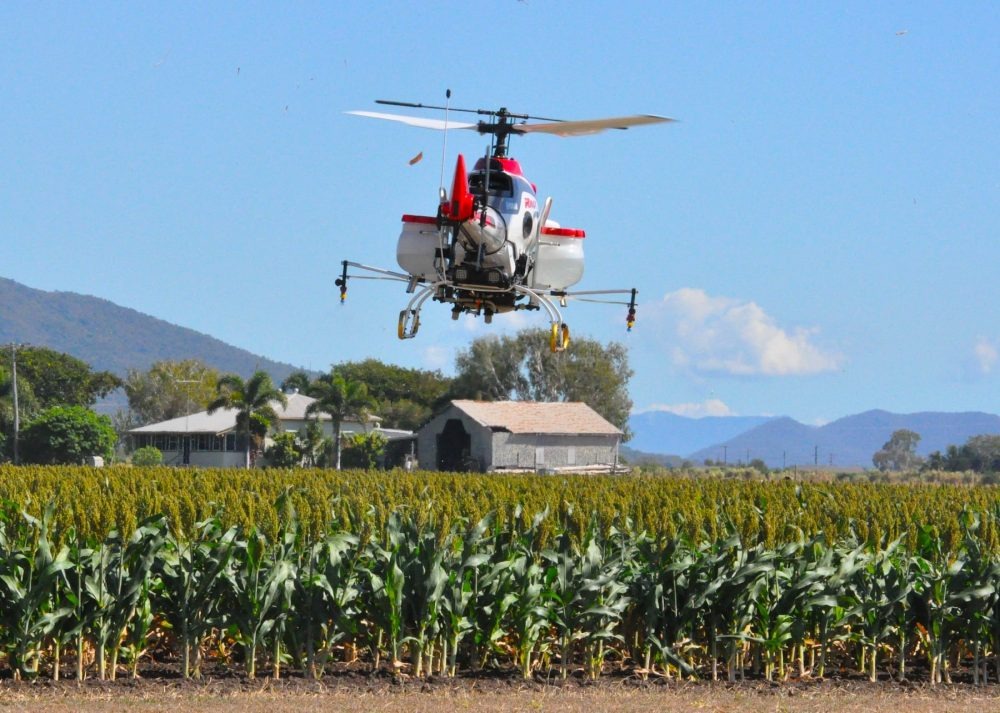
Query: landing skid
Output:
(474,298)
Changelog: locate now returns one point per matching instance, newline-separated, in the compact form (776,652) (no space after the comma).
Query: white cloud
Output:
(709,334)
(708,407)
(986,354)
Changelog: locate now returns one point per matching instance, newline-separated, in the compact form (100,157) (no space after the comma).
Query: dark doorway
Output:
(187,450)
(454,446)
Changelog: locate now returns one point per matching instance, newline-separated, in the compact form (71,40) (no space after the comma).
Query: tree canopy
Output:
(899,452)
(402,397)
(58,379)
(170,389)
(67,435)
(523,367)
(980,454)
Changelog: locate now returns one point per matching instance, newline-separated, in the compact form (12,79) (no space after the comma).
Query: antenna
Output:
(444,140)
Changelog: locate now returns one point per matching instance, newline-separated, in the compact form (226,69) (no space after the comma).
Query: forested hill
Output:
(113,338)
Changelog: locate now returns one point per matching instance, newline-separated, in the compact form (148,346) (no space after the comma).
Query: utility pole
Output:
(725,455)
(816,456)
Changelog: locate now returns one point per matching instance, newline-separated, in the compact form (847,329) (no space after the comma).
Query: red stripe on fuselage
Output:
(565,232)
(422,219)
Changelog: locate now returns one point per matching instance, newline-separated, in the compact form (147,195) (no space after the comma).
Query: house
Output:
(518,435)
(211,440)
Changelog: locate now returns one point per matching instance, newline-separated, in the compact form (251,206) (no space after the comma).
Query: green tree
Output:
(313,444)
(296,381)
(980,454)
(404,398)
(364,449)
(147,456)
(67,435)
(342,400)
(252,399)
(985,452)
(285,452)
(62,380)
(523,367)
(899,452)
(169,389)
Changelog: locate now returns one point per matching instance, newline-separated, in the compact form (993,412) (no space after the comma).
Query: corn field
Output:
(550,592)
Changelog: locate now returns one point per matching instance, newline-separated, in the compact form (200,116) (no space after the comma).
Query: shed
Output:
(518,435)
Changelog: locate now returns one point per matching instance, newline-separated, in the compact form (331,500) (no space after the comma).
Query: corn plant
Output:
(934,579)
(29,572)
(422,564)
(115,576)
(385,586)
(586,597)
(260,586)
(459,593)
(192,575)
(976,596)
(829,603)
(325,607)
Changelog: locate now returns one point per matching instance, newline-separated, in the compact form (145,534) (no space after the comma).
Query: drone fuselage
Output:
(488,238)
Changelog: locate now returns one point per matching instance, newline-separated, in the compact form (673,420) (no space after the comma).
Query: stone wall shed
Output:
(518,435)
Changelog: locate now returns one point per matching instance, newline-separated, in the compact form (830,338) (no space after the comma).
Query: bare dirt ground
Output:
(491,693)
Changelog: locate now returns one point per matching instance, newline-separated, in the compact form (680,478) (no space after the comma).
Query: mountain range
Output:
(114,338)
(779,442)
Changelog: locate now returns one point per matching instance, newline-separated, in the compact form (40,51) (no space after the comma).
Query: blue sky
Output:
(817,236)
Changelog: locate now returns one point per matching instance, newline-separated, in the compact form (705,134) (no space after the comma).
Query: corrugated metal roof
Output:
(221,421)
(572,417)
(224,420)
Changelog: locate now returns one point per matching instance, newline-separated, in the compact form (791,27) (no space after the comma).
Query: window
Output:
(500,183)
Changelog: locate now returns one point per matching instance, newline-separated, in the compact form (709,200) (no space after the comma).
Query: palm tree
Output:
(252,400)
(342,400)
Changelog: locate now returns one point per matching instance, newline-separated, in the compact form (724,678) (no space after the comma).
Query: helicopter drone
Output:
(490,247)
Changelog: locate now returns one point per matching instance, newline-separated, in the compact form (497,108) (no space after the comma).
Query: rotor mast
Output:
(501,123)
(502,127)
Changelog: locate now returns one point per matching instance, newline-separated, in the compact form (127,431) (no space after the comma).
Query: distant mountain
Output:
(634,457)
(846,442)
(665,432)
(113,338)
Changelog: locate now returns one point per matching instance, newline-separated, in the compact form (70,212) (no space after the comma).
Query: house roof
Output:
(224,420)
(552,418)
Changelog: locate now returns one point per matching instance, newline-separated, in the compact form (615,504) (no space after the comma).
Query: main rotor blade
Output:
(590,126)
(420,122)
